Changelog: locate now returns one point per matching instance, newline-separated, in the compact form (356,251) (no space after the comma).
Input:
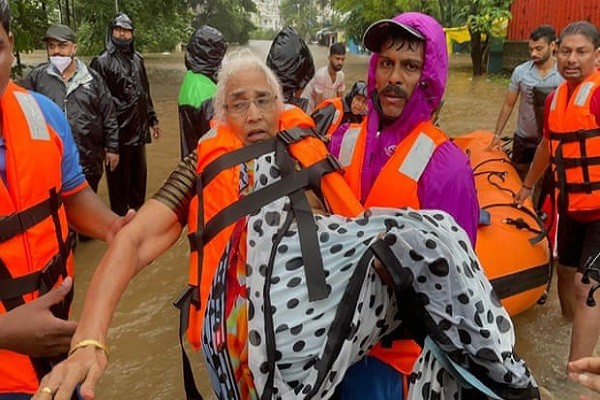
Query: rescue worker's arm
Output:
(154,229)
(538,166)
(33,330)
(507,108)
(88,214)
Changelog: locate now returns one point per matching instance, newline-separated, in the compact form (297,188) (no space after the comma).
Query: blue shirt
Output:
(72,175)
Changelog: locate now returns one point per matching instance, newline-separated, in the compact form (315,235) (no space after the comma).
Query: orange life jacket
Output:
(338,115)
(575,146)
(223,191)
(34,239)
(395,187)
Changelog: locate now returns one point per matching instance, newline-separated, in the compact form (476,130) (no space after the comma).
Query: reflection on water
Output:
(145,359)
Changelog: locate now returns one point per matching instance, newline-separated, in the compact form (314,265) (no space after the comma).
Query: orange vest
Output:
(575,139)
(395,187)
(33,167)
(223,190)
(337,116)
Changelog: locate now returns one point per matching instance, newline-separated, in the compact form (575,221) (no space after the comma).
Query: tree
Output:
(231,17)
(478,15)
(29,24)
(302,15)
(481,15)
(160,25)
(361,13)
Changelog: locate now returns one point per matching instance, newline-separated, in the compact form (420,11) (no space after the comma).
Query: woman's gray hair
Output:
(5,15)
(238,61)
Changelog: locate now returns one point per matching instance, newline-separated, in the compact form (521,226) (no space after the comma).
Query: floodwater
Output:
(145,355)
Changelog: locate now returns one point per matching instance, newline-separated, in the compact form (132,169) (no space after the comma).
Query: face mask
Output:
(122,44)
(61,62)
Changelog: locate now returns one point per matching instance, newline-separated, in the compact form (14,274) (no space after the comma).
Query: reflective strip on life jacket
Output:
(418,157)
(33,116)
(348,145)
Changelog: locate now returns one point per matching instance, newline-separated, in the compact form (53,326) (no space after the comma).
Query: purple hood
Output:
(426,96)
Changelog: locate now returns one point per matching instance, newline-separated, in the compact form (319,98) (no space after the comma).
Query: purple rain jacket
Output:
(447,182)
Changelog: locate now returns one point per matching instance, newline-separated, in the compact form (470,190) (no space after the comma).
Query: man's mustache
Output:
(394,91)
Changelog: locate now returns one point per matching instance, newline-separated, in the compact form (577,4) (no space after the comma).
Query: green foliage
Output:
(159,25)
(28,24)
(231,17)
(360,14)
(478,15)
(302,15)
(481,14)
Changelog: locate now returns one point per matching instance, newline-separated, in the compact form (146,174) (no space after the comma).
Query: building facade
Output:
(267,16)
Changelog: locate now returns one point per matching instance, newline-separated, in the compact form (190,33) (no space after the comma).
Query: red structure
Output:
(529,14)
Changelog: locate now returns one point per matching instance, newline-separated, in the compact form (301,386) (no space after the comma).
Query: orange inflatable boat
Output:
(511,242)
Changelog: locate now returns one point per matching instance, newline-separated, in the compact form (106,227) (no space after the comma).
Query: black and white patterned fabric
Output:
(300,349)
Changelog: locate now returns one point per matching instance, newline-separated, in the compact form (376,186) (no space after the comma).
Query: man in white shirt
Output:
(328,81)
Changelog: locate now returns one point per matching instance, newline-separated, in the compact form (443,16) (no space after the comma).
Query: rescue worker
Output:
(244,167)
(570,146)
(42,192)
(125,75)
(398,158)
(291,60)
(204,53)
(84,98)
(350,109)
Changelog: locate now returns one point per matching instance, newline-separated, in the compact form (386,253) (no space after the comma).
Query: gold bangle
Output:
(90,342)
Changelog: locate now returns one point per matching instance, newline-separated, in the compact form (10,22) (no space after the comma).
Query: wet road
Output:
(145,359)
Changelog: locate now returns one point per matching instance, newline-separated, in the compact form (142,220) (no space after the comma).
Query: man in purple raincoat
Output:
(397,157)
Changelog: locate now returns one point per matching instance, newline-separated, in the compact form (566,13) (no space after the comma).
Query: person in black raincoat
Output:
(290,58)
(204,52)
(84,98)
(125,74)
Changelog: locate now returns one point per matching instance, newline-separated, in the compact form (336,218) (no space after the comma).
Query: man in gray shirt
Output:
(540,73)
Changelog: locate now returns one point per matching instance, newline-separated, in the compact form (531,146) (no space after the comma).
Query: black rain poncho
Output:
(292,62)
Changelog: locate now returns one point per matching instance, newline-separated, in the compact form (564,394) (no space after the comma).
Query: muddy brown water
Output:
(145,357)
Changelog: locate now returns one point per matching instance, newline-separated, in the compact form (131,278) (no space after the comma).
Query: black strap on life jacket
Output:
(13,290)
(293,183)
(582,162)
(18,223)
